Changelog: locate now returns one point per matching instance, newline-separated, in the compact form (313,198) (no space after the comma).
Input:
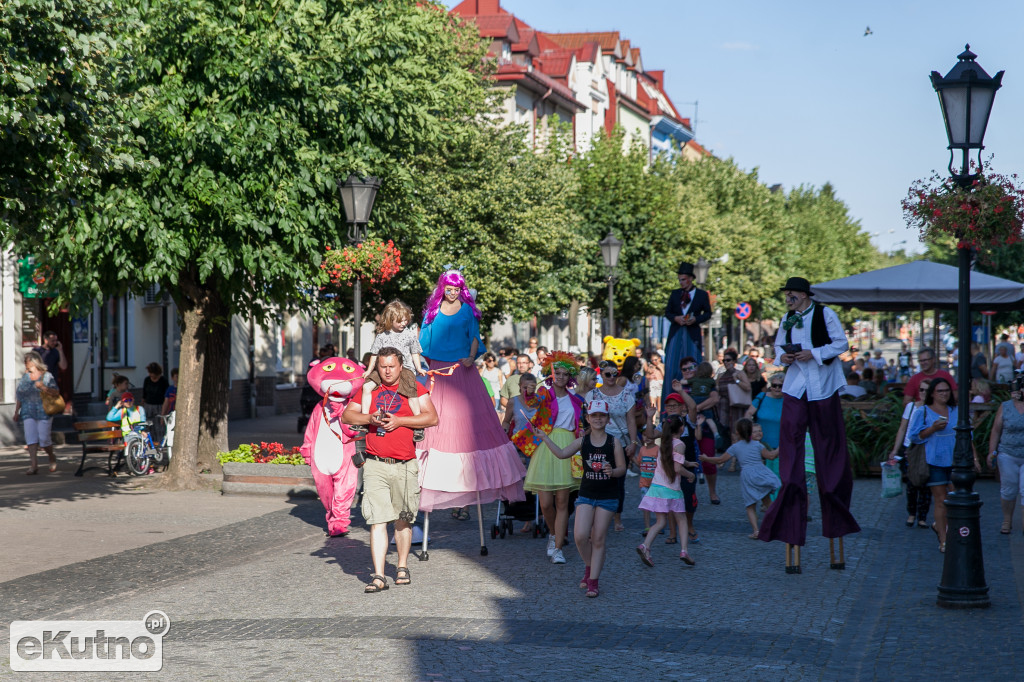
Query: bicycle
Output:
(140,453)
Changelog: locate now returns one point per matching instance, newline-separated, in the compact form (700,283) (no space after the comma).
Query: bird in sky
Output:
(868,31)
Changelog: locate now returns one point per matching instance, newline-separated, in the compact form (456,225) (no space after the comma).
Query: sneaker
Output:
(551,545)
(645,554)
(557,557)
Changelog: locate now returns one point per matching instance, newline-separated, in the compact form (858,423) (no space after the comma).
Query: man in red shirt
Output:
(391,491)
(929,370)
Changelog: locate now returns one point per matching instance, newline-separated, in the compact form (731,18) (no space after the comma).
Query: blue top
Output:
(31,401)
(449,338)
(938,449)
(769,416)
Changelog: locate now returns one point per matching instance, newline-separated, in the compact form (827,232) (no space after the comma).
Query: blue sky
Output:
(797,91)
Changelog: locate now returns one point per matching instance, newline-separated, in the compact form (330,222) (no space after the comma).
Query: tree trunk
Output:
(213,422)
(574,325)
(183,473)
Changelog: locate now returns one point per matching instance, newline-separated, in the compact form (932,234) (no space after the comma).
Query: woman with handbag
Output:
(35,386)
(919,496)
(733,390)
(1006,448)
(766,410)
(933,426)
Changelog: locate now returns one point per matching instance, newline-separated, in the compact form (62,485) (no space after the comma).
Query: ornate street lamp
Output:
(965,95)
(700,275)
(610,248)
(357,197)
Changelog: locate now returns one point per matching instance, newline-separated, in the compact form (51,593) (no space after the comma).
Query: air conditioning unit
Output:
(153,295)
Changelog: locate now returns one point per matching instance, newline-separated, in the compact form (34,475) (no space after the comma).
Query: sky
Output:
(796,90)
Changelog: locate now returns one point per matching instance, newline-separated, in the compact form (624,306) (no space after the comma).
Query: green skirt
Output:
(547,473)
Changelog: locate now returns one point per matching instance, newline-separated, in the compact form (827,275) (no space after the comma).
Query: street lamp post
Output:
(610,248)
(357,197)
(965,94)
(700,274)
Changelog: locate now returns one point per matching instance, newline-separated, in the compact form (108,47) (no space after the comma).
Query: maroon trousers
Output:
(786,519)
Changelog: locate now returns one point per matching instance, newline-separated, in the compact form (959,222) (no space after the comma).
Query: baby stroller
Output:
(510,512)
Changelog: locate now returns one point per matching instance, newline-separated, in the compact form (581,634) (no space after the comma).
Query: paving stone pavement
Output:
(271,597)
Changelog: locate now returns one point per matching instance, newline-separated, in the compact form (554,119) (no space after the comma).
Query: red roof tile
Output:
(468,8)
(554,65)
(496,26)
(608,40)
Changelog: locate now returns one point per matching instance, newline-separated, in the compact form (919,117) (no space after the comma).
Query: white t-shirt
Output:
(566,418)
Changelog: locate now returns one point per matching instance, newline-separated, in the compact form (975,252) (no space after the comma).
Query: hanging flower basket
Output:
(373,261)
(985,216)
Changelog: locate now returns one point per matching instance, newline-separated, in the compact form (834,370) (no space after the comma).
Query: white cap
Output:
(598,406)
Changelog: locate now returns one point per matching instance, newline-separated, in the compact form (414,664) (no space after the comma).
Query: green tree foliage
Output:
(248,114)
(58,112)
(489,203)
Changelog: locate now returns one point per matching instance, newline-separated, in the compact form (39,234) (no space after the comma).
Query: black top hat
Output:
(685,269)
(798,284)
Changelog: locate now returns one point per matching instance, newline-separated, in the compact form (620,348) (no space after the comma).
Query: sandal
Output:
(754,535)
(53,467)
(1005,528)
(694,538)
(922,524)
(585,583)
(910,522)
(32,472)
(686,559)
(592,590)
(645,554)
(455,514)
(372,588)
(670,541)
(403,576)
(463,515)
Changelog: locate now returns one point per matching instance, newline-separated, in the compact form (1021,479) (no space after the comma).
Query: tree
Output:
(58,111)
(248,115)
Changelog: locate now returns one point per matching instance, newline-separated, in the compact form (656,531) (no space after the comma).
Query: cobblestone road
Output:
(271,597)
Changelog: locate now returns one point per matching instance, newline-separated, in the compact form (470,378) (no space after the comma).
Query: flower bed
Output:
(266,469)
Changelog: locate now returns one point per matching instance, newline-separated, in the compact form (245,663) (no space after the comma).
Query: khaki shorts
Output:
(389,489)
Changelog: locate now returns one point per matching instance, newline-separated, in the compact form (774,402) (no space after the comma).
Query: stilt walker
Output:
(467,458)
(808,343)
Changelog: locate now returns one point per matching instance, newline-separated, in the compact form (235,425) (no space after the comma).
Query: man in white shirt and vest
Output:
(808,345)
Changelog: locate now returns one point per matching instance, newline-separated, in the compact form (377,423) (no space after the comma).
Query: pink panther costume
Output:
(328,445)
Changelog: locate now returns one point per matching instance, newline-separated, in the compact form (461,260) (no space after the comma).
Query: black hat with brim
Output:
(797,284)
(685,269)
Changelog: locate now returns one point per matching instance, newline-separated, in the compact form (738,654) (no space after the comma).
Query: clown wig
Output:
(450,278)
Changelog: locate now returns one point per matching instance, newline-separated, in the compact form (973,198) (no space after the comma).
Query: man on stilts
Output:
(807,344)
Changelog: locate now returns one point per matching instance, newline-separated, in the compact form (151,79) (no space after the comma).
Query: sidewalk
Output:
(254,590)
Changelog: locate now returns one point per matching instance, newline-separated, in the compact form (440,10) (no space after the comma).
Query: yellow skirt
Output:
(547,473)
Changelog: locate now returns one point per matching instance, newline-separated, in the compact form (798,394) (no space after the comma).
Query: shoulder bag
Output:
(52,404)
(917,465)
(737,395)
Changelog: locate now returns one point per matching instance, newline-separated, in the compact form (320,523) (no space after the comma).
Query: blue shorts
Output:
(609,505)
(939,475)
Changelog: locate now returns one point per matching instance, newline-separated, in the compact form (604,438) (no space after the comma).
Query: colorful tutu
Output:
(467,458)
(547,473)
(660,499)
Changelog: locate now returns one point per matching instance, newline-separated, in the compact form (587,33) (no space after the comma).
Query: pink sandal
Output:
(686,558)
(645,554)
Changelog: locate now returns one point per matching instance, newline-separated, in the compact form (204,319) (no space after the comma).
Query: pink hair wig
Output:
(450,278)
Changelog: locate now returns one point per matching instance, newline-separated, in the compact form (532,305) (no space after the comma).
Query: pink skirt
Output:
(467,458)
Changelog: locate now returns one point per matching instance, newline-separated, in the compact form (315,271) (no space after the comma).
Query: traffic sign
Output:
(742,311)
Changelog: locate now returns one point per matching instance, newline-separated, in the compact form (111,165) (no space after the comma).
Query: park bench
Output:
(98,437)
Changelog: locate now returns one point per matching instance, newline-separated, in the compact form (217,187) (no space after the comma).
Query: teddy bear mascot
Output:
(329,445)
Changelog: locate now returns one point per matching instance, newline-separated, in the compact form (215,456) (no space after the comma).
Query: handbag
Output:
(52,404)
(738,396)
(917,465)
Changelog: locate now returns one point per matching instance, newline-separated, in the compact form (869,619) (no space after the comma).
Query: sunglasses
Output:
(688,368)
(775,385)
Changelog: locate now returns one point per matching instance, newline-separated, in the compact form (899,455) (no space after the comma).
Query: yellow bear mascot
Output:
(617,350)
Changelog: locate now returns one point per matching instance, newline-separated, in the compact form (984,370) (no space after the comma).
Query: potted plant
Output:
(265,469)
(372,261)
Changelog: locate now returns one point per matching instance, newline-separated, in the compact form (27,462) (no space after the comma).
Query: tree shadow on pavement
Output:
(18,491)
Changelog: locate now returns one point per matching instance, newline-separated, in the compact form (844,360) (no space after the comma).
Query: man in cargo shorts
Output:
(391,490)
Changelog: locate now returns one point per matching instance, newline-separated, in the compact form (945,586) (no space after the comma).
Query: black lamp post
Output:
(357,197)
(700,275)
(965,95)
(610,248)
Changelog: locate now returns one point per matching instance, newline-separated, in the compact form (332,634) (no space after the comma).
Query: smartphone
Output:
(791,348)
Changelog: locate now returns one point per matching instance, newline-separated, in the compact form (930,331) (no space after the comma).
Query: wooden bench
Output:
(100,436)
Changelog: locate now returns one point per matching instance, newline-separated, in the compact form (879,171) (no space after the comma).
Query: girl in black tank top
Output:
(599,493)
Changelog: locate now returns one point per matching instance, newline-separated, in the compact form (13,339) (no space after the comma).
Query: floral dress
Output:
(28,396)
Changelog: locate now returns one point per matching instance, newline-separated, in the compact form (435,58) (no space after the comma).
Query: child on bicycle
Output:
(127,413)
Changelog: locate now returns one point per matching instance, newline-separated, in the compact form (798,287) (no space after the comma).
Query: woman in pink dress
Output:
(467,458)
